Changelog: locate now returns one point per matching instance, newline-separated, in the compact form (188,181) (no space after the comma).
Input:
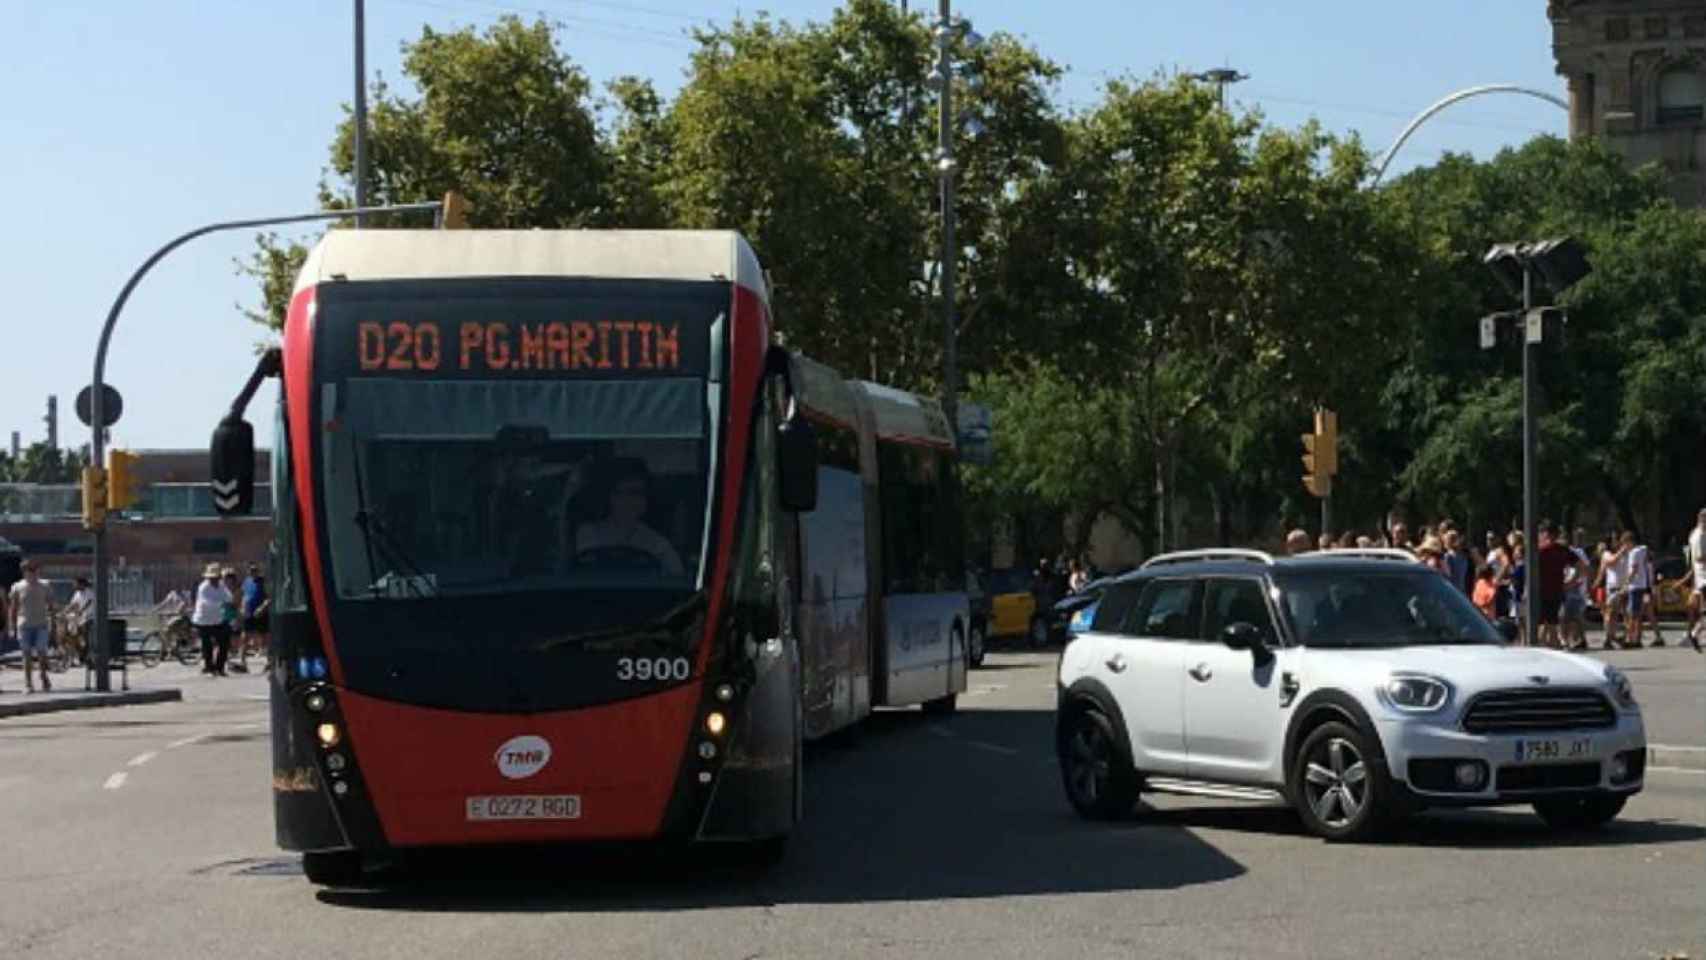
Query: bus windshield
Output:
(443,488)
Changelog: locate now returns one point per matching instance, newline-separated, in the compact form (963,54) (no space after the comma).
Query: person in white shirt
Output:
(79,614)
(623,528)
(1641,608)
(211,598)
(1697,561)
(1612,574)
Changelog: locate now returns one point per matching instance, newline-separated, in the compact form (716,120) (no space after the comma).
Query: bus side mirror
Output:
(796,467)
(233,460)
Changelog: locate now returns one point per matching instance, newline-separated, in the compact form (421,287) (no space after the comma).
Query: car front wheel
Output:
(1099,780)
(976,645)
(1340,785)
(1580,813)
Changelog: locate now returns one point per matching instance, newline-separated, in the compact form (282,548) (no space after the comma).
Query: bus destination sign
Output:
(495,347)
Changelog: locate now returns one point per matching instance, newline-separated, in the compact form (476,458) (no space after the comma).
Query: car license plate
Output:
(532,807)
(1534,751)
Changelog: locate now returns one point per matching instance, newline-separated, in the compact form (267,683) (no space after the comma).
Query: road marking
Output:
(143,758)
(1698,773)
(993,748)
(1665,746)
(984,688)
(115,781)
(175,744)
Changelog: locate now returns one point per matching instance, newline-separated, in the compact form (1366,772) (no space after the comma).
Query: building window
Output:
(1682,96)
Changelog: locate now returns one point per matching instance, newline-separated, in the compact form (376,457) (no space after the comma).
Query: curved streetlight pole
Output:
(97,413)
(1447,101)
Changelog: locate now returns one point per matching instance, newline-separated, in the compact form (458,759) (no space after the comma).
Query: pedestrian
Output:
(1364,541)
(254,616)
(1324,541)
(1499,561)
(1641,606)
(1432,555)
(1401,537)
(1486,592)
(1611,580)
(79,616)
(208,618)
(1296,542)
(1697,561)
(1573,615)
(1347,540)
(1554,562)
(1460,569)
(32,613)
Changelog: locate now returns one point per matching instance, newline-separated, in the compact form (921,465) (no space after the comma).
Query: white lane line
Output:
(984,688)
(1666,746)
(175,744)
(115,781)
(993,748)
(1698,773)
(143,758)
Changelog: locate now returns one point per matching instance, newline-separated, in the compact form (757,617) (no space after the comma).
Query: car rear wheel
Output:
(1580,813)
(1099,780)
(1340,785)
(976,644)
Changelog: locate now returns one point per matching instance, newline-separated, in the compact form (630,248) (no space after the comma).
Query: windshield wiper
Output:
(665,627)
(373,532)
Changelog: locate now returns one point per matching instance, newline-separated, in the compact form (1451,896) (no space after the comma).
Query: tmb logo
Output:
(522,757)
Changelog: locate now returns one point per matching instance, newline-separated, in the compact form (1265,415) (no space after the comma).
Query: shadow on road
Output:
(918,809)
(1501,829)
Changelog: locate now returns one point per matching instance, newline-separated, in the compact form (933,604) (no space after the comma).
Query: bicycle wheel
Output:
(152,649)
(185,650)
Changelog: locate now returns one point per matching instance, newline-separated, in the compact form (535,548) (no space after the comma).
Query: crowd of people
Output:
(1615,576)
(220,609)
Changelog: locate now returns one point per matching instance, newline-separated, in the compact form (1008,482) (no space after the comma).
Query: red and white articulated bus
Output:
(551,563)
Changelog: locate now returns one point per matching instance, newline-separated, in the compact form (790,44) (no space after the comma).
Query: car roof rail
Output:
(1216,553)
(1365,553)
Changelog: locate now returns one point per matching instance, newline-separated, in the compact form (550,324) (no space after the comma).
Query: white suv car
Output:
(1355,685)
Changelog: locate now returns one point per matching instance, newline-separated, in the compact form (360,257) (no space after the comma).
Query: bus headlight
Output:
(725,692)
(315,702)
(328,734)
(715,723)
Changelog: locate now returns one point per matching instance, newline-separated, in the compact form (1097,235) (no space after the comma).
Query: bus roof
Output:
(905,416)
(617,254)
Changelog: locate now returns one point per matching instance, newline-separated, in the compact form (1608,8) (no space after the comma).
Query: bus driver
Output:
(623,527)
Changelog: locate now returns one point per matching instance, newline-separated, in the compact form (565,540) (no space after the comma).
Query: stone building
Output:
(1636,71)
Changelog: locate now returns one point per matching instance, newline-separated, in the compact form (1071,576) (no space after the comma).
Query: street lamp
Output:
(1220,77)
(1560,264)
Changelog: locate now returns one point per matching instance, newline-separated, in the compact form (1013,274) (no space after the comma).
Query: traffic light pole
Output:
(97,419)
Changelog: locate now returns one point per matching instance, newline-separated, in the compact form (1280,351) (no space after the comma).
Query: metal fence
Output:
(132,590)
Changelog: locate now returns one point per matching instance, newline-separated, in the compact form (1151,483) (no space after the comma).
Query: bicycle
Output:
(174,639)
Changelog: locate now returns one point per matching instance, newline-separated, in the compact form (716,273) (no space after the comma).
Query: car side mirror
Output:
(232,457)
(1244,635)
(796,467)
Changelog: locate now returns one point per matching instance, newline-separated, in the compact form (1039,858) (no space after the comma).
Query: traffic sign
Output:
(111,405)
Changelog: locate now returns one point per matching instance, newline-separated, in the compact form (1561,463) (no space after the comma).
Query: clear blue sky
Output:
(127,123)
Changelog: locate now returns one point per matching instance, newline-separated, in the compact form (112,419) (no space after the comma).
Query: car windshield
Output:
(1380,609)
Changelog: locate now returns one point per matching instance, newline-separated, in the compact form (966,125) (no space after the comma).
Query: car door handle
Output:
(1201,673)
(1116,663)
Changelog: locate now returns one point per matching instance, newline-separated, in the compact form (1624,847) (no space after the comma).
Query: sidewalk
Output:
(160,684)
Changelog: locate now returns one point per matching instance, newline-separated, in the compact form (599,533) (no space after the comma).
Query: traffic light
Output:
(94,498)
(123,489)
(1321,454)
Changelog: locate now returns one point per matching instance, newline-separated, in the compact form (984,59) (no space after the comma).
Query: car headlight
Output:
(1620,688)
(1416,693)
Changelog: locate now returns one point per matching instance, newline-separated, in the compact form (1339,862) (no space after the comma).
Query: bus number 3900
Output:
(645,669)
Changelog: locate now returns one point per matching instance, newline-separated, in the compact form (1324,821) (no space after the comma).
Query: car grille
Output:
(1555,776)
(1518,711)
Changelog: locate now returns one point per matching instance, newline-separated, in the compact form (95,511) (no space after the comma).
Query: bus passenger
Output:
(623,527)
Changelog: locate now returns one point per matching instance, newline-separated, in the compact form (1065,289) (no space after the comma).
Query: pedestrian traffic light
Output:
(1321,454)
(94,498)
(123,489)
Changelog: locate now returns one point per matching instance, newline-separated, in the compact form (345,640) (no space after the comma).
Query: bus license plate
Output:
(563,807)
(1530,751)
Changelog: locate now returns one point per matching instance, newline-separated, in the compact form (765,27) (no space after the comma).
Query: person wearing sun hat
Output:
(1432,555)
(211,599)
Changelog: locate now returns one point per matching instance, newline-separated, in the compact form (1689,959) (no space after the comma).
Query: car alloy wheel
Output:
(1098,780)
(1335,782)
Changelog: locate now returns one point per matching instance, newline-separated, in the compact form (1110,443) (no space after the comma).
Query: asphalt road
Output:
(146,832)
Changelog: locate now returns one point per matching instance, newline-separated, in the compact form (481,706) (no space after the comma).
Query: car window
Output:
(1366,609)
(1168,609)
(1116,602)
(1236,601)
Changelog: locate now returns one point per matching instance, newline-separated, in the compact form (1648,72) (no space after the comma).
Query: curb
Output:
(1687,758)
(88,701)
